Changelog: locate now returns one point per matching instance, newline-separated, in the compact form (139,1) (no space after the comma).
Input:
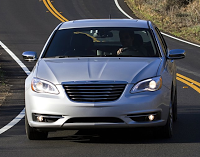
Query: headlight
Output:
(42,86)
(151,84)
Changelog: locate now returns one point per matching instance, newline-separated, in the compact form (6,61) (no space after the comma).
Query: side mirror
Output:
(176,54)
(29,56)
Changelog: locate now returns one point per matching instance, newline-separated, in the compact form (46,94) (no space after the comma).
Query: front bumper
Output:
(123,109)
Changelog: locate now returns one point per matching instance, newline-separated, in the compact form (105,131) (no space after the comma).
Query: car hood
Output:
(131,70)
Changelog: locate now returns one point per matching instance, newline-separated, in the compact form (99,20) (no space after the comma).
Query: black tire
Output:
(174,105)
(167,130)
(33,134)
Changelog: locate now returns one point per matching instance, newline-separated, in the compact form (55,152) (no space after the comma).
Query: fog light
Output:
(40,118)
(151,117)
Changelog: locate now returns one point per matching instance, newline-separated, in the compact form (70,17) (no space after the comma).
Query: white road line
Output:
(118,6)
(180,40)
(13,122)
(22,113)
(188,71)
(15,58)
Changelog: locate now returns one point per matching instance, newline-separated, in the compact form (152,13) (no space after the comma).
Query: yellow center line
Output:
(189,84)
(188,79)
(51,8)
(50,4)
(179,77)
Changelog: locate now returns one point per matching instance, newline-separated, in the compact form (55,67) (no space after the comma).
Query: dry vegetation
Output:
(4,88)
(178,17)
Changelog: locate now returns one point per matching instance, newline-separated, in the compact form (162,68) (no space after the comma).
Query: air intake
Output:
(94,120)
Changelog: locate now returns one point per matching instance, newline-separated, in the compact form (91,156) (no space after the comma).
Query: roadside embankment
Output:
(180,18)
(4,88)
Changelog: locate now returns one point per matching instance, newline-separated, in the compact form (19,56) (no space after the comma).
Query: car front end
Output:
(91,101)
(87,78)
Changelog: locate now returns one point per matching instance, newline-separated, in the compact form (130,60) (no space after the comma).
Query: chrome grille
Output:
(94,92)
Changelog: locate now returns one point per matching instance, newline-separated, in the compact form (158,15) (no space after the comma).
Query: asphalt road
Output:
(26,25)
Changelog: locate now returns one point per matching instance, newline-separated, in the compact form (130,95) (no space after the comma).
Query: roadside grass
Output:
(2,80)
(4,88)
(171,16)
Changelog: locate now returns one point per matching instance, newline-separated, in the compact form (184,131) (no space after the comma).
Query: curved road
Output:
(26,25)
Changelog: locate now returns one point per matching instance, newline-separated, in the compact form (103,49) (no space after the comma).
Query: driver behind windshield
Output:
(129,45)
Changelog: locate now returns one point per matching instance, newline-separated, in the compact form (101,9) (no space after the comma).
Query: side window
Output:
(162,41)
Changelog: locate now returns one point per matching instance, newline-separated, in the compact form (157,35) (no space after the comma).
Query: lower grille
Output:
(94,92)
(94,120)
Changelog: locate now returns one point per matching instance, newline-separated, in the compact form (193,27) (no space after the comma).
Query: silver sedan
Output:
(104,73)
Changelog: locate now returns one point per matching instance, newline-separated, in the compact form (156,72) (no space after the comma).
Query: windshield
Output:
(102,42)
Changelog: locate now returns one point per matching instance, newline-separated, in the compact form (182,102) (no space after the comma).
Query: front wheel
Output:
(33,134)
(167,130)
(174,105)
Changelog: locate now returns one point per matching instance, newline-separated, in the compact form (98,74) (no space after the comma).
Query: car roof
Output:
(104,23)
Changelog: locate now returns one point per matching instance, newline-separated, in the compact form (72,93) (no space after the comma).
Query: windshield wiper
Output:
(91,56)
(116,56)
(69,56)
(61,56)
(107,55)
(58,57)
